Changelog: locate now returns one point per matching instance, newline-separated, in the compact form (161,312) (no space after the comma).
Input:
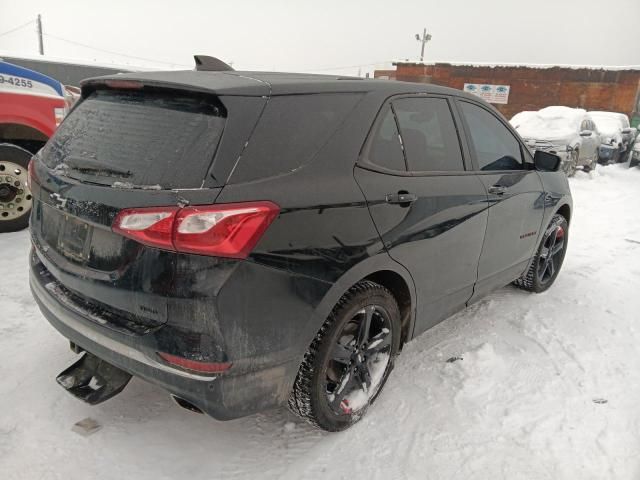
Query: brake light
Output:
(225,230)
(194,365)
(124,84)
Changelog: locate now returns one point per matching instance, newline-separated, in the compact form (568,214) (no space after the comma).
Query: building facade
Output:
(532,87)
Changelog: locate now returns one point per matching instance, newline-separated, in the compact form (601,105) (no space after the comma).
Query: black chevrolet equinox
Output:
(247,240)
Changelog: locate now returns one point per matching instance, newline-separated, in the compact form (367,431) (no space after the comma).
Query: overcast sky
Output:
(327,36)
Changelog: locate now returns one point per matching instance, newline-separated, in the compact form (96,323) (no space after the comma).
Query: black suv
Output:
(250,239)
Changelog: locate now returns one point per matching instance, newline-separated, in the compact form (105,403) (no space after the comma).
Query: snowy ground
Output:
(548,387)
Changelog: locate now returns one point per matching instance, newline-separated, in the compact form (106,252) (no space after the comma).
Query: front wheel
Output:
(350,359)
(571,165)
(15,197)
(547,261)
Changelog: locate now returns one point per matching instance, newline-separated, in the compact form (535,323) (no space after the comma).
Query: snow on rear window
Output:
(143,139)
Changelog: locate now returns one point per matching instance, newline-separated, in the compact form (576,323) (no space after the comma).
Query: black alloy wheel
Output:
(550,257)
(546,263)
(350,359)
(358,359)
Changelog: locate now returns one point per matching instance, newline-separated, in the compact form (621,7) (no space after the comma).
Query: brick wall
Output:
(534,88)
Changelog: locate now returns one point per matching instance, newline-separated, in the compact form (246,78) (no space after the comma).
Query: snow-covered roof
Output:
(610,123)
(548,123)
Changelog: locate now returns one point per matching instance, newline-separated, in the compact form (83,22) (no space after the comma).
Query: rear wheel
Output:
(350,359)
(15,197)
(546,263)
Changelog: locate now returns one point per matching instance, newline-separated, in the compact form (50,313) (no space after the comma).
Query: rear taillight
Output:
(225,230)
(151,226)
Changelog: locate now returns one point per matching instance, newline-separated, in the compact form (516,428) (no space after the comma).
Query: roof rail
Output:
(205,63)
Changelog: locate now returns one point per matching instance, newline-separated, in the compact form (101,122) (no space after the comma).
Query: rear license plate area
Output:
(73,238)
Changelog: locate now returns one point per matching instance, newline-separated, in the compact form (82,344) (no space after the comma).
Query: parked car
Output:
(568,132)
(288,259)
(615,135)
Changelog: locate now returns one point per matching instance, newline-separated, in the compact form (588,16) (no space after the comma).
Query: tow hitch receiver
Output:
(93,380)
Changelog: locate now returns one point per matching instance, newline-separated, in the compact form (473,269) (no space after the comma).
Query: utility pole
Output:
(40,43)
(425,38)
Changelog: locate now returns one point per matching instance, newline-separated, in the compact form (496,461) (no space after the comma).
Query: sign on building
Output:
(491,93)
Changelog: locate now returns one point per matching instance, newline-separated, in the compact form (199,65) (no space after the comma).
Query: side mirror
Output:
(545,161)
(626,131)
(585,133)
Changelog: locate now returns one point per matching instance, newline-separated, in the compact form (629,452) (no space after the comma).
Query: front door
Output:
(515,194)
(429,211)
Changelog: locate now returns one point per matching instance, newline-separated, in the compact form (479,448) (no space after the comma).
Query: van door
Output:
(429,210)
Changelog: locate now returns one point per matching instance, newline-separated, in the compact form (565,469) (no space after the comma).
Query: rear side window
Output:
(385,149)
(291,131)
(495,146)
(428,134)
(138,139)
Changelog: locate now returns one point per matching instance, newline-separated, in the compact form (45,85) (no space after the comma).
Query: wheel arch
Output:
(24,135)
(401,291)
(565,211)
(380,269)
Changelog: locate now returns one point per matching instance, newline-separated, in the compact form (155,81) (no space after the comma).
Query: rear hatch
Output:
(139,147)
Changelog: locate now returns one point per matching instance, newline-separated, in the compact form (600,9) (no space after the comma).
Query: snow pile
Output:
(518,386)
(549,123)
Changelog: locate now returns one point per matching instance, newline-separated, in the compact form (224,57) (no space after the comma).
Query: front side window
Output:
(495,146)
(428,134)
(385,149)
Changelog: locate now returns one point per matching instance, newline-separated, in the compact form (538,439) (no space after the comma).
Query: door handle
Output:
(401,198)
(497,190)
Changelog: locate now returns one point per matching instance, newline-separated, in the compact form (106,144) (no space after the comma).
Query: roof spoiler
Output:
(205,63)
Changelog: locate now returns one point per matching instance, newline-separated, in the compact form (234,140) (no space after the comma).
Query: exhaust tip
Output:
(186,405)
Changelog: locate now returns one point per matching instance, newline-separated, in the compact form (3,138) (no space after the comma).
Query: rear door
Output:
(515,193)
(430,211)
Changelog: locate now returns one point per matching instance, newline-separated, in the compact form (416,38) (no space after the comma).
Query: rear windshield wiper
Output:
(93,167)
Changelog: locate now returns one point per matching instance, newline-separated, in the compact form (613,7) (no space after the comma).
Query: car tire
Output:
(15,197)
(347,364)
(547,262)
(592,165)
(571,166)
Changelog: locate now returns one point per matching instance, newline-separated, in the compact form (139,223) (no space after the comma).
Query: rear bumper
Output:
(224,397)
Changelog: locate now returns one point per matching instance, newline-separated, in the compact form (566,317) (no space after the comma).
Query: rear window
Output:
(138,139)
(291,131)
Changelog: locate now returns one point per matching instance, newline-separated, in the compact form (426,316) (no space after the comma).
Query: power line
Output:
(112,52)
(16,28)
